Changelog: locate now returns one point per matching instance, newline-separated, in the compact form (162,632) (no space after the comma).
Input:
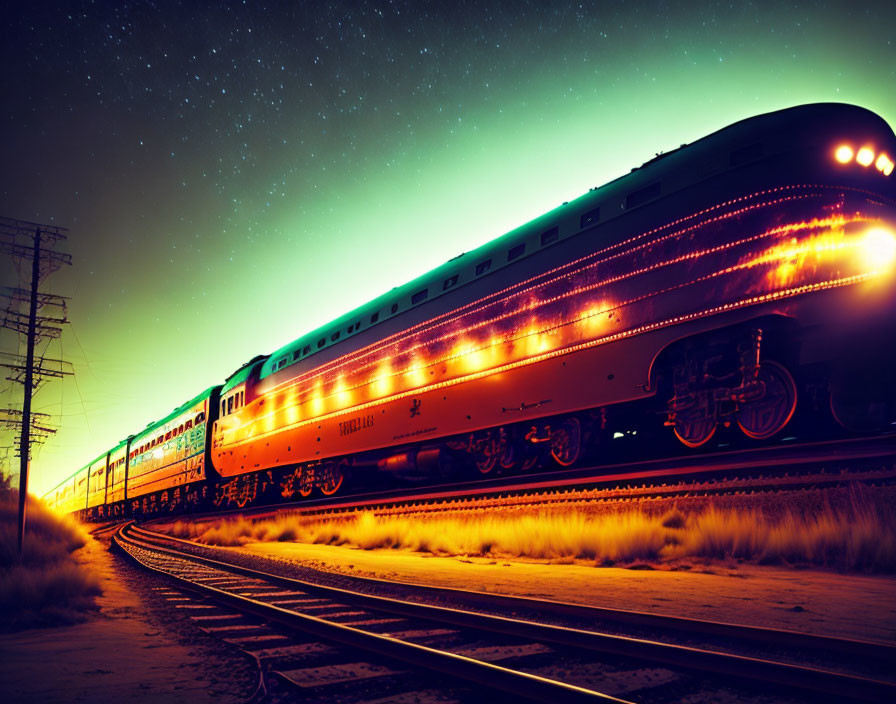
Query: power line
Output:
(31,243)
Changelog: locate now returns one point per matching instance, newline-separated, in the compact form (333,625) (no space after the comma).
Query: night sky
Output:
(236,174)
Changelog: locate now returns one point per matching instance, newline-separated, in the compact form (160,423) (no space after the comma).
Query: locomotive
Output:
(737,283)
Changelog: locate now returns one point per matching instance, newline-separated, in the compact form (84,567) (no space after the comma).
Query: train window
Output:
(200,417)
(180,429)
(374,317)
(549,236)
(334,336)
(188,425)
(449,282)
(419,296)
(483,267)
(230,405)
(168,435)
(321,342)
(223,407)
(516,252)
(744,154)
(394,308)
(589,218)
(642,195)
(306,349)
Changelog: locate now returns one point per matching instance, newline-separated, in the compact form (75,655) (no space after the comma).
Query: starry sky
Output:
(234,174)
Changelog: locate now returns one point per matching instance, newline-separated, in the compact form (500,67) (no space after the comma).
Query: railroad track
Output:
(397,639)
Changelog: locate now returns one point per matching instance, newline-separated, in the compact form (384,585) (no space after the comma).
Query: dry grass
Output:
(857,534)
(45,585)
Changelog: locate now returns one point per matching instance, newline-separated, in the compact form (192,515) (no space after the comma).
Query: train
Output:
(740,286)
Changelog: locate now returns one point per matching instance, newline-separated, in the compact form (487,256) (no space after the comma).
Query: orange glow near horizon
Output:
(615,293)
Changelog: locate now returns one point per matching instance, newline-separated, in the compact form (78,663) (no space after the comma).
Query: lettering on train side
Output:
(353,425)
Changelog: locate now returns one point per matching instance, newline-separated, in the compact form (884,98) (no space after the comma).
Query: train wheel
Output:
(695,433)
(857,414)
(299,482)
(246,490)
(486,455)
(762,418)
(304,484)
(566,442)
(331,477)
(511,450)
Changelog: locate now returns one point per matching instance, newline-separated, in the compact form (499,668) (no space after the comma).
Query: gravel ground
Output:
(137,648)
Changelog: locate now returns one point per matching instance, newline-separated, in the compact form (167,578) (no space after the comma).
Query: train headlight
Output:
(884,164)
(865,156)
(878,248)
(844,154)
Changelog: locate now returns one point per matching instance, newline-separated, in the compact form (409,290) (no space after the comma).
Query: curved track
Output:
(461,641)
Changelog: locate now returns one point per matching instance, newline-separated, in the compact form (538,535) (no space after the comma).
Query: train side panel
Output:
(171,453)
(117,467)
(96,484)
(583,335)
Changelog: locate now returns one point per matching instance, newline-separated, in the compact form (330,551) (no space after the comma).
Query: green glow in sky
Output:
(217,217)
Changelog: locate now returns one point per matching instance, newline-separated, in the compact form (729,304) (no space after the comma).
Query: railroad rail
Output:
(292,604)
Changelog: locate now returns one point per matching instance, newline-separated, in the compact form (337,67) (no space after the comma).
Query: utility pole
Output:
(28,242)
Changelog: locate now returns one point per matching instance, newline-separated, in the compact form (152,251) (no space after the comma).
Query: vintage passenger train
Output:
(727,284)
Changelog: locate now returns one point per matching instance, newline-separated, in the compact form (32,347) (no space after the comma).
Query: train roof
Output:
(571,218)
(241,374)
(70,477)
(153,426)
(120,446)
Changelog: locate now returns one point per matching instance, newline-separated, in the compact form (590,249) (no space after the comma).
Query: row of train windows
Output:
(173,433)
(632,200)
(233,403)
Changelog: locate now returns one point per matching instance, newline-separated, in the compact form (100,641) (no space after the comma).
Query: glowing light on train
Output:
(844,154)
(878,249)
(342,392)
(317,398)
(383,381)
(416,373)
(865,156)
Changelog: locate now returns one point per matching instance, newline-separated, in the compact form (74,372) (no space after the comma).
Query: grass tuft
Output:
(857,532)
(44,586)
